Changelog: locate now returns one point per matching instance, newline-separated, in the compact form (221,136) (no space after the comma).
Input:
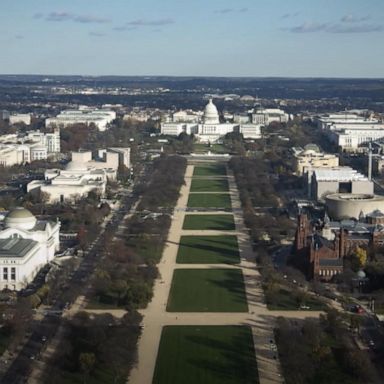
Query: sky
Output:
(283,38)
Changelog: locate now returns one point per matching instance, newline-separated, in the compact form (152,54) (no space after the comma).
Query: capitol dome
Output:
(211,115)
(20,218)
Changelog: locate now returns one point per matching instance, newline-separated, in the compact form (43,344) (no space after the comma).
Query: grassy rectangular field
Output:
(207,290)
(209,200)
(210,170)
(209,222)
(209,185)
(208,250)
(206,354)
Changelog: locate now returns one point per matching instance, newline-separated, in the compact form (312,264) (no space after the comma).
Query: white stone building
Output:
(26,245)
(100,117)
(342,119)
(311,157)
(207,128)
(35,145)
(15,118)
(9,155)
(124,155)
(82,175)
(349,130)
(266,116)
(51,140)
(325,181)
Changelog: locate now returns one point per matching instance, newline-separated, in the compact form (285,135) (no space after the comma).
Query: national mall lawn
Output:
(208,250)
(210,170)
(206,354)
(204,222)
(207,290)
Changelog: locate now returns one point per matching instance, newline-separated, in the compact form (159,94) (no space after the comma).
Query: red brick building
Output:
(323,251)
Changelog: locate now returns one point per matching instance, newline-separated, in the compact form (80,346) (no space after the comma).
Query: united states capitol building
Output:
(206,126)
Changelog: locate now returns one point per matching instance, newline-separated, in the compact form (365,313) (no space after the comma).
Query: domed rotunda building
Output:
(206,126)
(26,245)
(211,114)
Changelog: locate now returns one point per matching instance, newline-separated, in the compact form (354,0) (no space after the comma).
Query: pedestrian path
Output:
(258,317)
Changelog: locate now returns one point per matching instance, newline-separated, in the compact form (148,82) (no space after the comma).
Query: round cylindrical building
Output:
(351,206)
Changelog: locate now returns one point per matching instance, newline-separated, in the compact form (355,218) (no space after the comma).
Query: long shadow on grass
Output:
(223,248)
(233,283)
(220,225)
(237,365)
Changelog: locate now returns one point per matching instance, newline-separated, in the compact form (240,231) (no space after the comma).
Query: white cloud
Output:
(353,19)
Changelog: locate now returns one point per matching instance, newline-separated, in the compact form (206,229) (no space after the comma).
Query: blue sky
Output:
(320,38)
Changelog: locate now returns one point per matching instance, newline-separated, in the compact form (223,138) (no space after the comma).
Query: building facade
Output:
(82,175)
(325,181)
(321,252)
(353,206)
(305,159)
(349,130)
(35,145)
(26,245)
(266,116)
(101,118)
(207,127)
(16,118)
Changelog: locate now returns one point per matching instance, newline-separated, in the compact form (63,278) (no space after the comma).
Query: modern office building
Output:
(325,181)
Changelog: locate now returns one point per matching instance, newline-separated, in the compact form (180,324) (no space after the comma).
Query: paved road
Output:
(46,338)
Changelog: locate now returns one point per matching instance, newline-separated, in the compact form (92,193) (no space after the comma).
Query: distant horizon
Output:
(195,76)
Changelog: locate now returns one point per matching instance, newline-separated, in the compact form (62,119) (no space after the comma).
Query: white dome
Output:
(211,115)
(361,274)
(20,218)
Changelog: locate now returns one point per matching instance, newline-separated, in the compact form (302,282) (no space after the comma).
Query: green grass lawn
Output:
(209,222)
(210,170)
(211,200)
(206,355)
(207,290)
(209,185)
(208,250)
(289,301)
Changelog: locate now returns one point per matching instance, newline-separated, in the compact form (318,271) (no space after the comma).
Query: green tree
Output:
(119,286)
(87,362)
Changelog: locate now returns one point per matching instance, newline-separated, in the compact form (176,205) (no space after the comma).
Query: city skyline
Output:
(221,38)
